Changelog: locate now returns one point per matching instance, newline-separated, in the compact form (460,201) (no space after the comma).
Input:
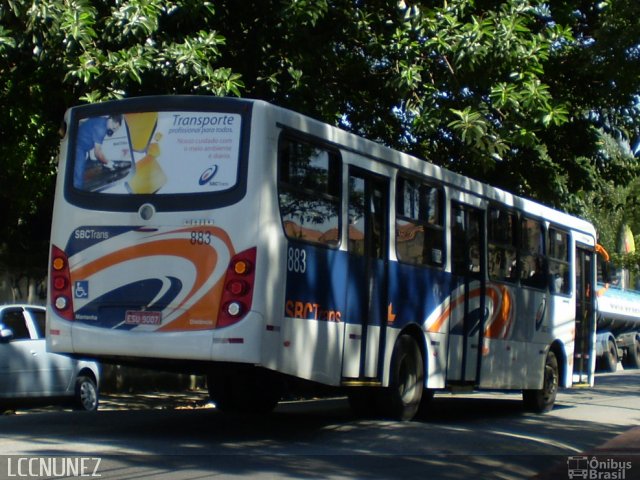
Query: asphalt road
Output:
(182,437)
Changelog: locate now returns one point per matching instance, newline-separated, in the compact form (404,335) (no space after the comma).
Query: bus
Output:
(272,251)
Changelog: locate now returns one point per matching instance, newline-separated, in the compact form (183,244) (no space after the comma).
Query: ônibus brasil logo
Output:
(208,174)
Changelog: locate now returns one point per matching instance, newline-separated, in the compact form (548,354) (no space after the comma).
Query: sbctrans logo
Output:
(598,468)
(208,174)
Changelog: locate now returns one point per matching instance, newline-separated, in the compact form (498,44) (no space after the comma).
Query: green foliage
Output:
(538,98)
(57,53)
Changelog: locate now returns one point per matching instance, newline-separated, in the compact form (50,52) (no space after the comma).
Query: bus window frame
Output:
(162,202)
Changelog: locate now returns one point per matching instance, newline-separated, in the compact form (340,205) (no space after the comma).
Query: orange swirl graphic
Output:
(208,303)
(500,324)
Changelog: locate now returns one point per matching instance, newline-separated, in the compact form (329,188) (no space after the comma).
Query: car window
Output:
(39,316)
(14,319)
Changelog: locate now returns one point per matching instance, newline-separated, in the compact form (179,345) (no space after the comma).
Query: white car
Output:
(30,375)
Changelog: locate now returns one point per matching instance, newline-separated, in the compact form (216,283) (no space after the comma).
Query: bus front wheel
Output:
(540,401)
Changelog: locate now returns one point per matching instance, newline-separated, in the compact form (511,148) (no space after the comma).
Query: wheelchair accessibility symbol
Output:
(81,289)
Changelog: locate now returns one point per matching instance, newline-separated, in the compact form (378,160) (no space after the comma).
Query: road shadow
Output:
(478,436)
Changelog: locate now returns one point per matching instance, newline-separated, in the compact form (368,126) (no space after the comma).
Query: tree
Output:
(538,98)
(57,53)
(493,89)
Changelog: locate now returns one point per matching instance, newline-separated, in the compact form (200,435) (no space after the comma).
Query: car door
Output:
(26,369)
(55,372)
(18,357)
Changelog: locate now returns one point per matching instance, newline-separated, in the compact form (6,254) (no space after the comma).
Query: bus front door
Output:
(468,309)
(366,319)
(585,317)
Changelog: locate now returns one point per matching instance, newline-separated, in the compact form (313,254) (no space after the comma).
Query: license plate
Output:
(136,317)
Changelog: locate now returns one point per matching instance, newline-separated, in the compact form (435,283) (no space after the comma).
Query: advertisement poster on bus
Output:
(157,153)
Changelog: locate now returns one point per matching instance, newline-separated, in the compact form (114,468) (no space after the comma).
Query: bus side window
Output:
(559,266)
(309,192)
(419,223)
(502,245)
(458,242)
(357,211)
(533,267)
(466,240)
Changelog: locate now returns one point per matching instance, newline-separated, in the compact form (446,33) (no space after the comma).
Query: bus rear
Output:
(148,258)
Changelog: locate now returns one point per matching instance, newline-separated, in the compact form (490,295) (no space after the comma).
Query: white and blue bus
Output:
(265,248)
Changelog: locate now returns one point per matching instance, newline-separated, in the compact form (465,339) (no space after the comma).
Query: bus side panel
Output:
(314,309)
(508,329)
(535,309)
(554,320)
(419,295)
(564,311)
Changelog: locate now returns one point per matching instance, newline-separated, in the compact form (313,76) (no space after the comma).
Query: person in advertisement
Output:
(91,134)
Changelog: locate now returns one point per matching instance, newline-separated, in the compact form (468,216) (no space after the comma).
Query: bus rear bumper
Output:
(237,343)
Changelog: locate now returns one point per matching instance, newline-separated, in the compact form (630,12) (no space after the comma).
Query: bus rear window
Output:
(149,153)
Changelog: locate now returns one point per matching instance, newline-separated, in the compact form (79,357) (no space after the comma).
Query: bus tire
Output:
(610,357)
(540,401)
(406,382)
(632,359)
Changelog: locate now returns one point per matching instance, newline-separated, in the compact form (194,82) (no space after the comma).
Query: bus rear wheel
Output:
(406,382)
(540,401)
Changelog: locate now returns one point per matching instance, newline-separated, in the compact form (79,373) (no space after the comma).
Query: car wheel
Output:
(86,394)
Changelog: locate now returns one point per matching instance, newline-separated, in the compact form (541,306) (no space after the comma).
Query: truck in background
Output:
(618,328)
(618,319)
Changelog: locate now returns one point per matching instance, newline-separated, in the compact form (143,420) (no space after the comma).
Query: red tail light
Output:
(60,284)
(238,288)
